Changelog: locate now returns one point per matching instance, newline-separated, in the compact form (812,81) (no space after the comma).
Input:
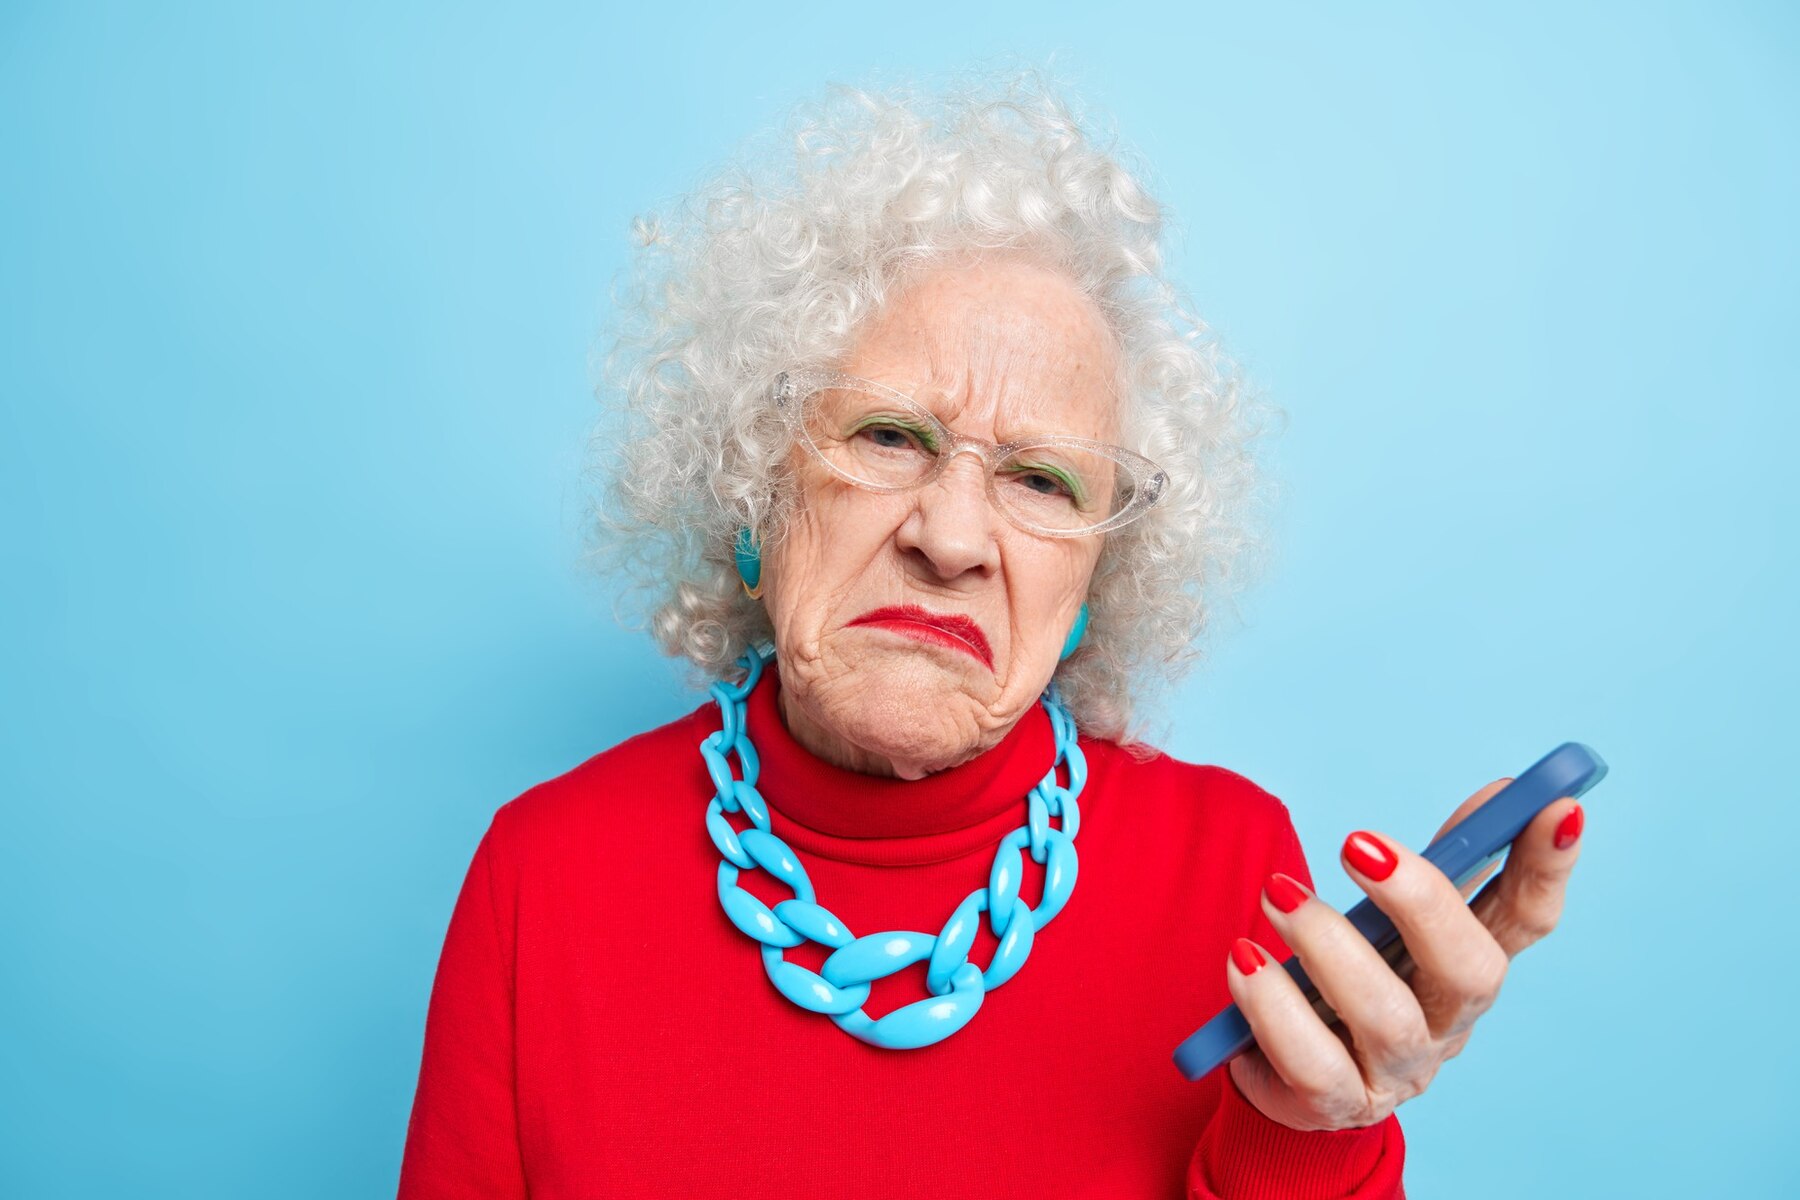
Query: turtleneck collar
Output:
(881,820)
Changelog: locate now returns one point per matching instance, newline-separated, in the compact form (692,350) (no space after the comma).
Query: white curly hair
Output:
(772,263)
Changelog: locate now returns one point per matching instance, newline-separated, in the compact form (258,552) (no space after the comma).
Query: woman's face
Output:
(999,349)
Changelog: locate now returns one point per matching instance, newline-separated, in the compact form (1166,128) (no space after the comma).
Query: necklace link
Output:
(841,986)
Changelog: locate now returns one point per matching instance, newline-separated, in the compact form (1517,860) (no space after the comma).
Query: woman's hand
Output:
(1395,1032)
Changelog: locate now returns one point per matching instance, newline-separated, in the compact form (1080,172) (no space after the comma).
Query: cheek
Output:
(1047,591)
(831,544)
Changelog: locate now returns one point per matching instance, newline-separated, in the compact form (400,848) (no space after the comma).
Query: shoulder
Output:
(1200,840)
(627,781)
(1204,795)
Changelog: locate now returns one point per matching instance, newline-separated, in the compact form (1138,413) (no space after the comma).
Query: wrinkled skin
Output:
(998,348)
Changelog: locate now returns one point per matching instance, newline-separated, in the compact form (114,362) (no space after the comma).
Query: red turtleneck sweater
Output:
(599,1028)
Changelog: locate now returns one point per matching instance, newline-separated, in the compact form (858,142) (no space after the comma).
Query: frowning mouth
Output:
(946,629)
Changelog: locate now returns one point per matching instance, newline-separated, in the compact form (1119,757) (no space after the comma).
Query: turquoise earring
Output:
(749,564)
(1075,633)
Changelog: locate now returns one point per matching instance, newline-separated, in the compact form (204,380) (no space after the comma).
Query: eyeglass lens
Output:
(871,439)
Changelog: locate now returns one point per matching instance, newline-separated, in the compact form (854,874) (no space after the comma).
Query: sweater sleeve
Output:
(1244,1154)
(463,1139)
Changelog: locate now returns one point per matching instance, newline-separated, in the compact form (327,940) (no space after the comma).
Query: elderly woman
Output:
(933,479)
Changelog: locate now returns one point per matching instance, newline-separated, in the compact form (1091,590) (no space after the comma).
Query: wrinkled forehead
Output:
(1004,369)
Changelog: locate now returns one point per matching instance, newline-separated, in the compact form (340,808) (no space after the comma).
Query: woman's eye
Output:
(894,437)
(1044,483)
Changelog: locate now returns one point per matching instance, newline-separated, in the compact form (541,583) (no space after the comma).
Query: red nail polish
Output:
(1366,853)
(1286,893)
(1570,828)
(1248,958)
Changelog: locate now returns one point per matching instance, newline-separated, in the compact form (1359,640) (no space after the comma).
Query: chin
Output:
(911,707)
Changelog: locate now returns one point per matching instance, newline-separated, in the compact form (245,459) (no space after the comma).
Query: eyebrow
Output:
(933,389)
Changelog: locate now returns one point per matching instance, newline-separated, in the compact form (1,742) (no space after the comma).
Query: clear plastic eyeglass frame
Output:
(1148,482)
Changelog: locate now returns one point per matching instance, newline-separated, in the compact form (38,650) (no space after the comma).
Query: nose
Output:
(952,527)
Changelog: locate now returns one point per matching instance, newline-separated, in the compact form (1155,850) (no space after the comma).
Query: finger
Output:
(1386,1025)
(1458,966)
(1311,1059)
(1464,809)
(1525,902)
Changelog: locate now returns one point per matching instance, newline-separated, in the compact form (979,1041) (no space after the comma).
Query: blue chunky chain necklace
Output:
(841,985)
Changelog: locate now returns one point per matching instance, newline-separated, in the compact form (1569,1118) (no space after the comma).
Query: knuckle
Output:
(1399,1028)
(1392,1035)
(1320,937)
(1428,902)
(1322,1092)
(1417,1083)
(1489,971)
(1537,920)
(1332,933)
(1412,1045)
(1525,911)
(1351,1111)
(1381,1102)
(1415,890)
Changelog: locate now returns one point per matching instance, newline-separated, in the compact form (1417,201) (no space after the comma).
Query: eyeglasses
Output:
(872,436)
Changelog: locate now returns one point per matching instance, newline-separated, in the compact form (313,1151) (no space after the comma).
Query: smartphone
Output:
(1462,852)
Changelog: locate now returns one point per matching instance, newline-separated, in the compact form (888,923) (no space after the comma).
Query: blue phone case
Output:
(1461,853)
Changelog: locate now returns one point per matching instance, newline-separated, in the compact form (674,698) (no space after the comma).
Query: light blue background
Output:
(293,354)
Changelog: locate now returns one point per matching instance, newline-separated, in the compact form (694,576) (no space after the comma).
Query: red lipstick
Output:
(946,629)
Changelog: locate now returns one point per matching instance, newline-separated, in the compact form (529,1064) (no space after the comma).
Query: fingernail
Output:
(1248,958)
(1366,853)
(1570,828)
(1286,893)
